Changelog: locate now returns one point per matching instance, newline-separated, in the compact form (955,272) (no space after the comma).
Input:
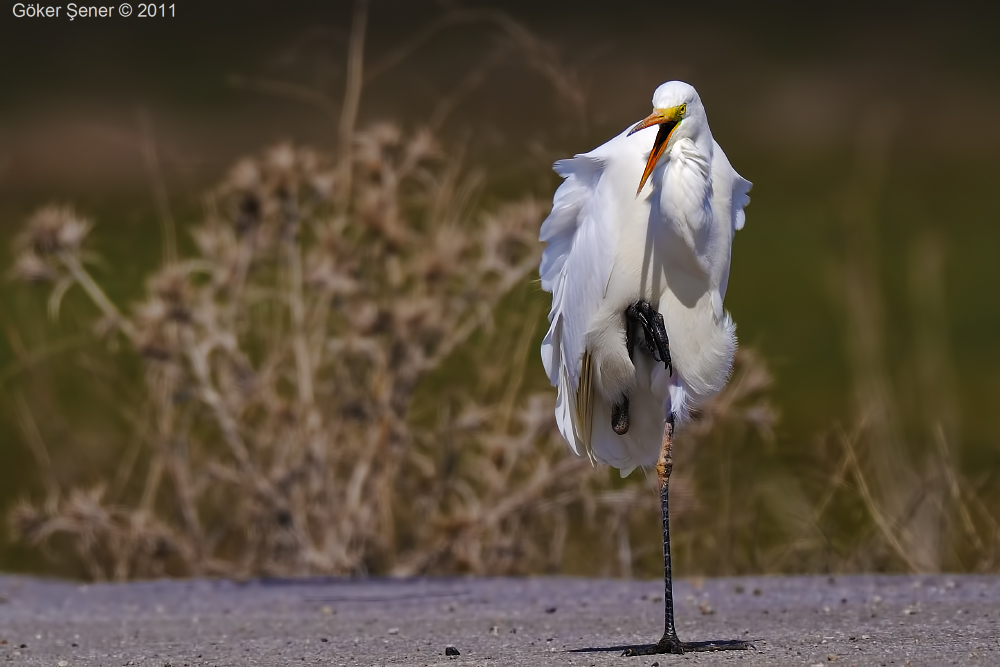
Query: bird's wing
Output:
(575,268)
(731,192)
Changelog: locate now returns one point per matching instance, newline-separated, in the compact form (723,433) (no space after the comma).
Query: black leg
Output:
(619,411)
(654,339)
(669,643)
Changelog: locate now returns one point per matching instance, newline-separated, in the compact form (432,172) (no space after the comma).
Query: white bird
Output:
(638,335)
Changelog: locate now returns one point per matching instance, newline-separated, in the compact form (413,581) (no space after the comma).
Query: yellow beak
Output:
(667,120)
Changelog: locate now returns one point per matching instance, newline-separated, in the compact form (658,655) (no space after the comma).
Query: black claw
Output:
(654,340)
(662,343)
(619,416)
(642,313)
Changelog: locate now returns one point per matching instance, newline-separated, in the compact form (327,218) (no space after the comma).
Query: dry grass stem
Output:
(338,380)
(271,431)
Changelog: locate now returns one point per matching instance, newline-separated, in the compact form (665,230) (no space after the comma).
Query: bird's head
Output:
(678,111)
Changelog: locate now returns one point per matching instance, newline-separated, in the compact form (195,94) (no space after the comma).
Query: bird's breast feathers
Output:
(685,193)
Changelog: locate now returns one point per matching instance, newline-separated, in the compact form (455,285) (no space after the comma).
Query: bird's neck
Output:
(687,153)
(697,135)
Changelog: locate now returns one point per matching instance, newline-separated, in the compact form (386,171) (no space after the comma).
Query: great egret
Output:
(637,334)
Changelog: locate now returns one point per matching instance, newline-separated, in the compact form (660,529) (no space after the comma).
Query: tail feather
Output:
(585,405)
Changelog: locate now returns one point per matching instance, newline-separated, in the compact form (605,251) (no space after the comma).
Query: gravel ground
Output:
(857,620)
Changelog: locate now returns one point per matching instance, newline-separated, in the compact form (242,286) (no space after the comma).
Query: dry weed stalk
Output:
(280,363)
(279,366)
(897,480)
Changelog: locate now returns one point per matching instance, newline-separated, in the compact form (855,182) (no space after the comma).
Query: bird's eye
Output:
(682,110)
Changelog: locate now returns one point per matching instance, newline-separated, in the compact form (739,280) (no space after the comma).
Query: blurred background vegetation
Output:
(861,284)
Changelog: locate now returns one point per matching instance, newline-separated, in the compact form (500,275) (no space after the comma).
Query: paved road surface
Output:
(858,620)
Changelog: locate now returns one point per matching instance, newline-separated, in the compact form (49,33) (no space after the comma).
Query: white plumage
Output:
(609,247)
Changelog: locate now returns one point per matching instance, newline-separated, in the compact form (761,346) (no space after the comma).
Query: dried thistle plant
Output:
(279,366)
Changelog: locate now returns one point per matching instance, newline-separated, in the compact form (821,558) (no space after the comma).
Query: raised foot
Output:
(676,646)
(619,416)
(641,314)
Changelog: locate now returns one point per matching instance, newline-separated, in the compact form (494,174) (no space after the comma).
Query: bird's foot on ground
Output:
(654,332)
(676,646)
